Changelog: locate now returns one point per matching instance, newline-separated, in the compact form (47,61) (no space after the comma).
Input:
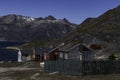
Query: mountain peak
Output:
(118,6)
(65,20)
(50,17)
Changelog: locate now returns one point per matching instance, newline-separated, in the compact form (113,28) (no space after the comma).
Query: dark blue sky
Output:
(74,10)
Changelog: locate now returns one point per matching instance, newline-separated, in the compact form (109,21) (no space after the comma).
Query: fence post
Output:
(81,68)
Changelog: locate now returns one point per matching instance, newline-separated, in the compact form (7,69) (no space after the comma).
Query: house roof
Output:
(87,40)
(53,49)
(95,41)
(26,52)
(70,47)
(66,47)
(42,50)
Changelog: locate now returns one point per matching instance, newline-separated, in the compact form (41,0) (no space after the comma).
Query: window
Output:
(80,57)
(66,56)
(61,55)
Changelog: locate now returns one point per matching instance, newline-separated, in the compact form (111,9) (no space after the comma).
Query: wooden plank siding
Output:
(75,67)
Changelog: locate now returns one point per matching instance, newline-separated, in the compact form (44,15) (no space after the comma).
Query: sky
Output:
(76,11)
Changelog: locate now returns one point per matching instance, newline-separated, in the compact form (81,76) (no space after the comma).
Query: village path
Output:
(14,69)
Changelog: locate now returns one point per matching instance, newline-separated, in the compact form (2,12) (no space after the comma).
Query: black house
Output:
(76,52)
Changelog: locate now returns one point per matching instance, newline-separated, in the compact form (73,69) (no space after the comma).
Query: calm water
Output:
(7,54)
(10,43)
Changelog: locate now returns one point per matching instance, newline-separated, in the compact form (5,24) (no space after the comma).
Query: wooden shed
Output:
(27,55)
(53,54)
(40,53)
(76,52)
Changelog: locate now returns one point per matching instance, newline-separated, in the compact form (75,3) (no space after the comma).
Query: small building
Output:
(70,52)
(95,44)
(76,52)
(40,53)
(27,55)
(52,55)
(36,54)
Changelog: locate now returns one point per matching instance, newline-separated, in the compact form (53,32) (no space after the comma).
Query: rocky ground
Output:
(33,71)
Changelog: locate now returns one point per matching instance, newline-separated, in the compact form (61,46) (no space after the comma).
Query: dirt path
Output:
(3,69)
(15,69)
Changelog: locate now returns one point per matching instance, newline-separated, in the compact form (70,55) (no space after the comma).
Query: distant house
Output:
(37,54)
(52,55)
(27,55)
(40,53)
(70,52)
(95,44)
(76,52)
(22,55)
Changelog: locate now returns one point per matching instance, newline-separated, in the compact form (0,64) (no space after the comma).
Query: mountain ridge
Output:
(18,27)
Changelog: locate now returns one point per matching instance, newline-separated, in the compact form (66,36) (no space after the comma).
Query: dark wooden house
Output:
(40,53)
(36,54)
(70,52)
(76,52)
(52,55)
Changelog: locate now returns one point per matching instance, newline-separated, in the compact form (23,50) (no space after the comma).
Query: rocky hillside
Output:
(24,28)
(105,27)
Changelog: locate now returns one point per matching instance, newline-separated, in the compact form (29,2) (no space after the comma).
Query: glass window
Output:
(61,55)
(66,56)
(80,57)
